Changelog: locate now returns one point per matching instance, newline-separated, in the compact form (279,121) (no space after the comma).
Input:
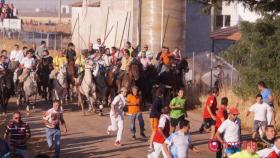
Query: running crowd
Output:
(170,135)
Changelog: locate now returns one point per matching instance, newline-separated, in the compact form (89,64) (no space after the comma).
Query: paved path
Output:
(87,137)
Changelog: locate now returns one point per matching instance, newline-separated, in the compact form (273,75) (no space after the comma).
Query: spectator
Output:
(179,142)
(39,51)
(260,110)
(273,152)
(249,152)
(229,133)
(52,120)
(134,111)
(17,134)
(268,140)
(161,134)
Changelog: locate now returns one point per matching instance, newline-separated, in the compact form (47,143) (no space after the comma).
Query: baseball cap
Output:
(234,111)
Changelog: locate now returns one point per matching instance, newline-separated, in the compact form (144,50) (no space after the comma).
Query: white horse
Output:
(29,90)
(88,88)
(59,85)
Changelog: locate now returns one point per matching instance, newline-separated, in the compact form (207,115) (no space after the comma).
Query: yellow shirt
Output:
(244,154)
(81,62)
(59,61)
(125,63)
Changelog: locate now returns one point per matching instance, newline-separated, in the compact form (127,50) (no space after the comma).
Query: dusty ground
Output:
(87,136)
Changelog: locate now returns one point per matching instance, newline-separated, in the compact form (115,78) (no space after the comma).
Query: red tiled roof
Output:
(229,33)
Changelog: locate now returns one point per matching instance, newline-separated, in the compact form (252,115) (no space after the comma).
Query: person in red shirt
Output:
(222,114)
(209,113)
(161,134)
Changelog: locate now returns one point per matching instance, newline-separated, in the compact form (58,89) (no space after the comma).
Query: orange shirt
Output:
(165,58)
(133,109)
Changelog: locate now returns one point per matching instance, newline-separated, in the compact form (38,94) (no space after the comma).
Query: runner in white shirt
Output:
(260,110)
(179,142)
(117,115)
(229,133)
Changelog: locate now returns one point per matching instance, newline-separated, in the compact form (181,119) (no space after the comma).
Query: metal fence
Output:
(54,40)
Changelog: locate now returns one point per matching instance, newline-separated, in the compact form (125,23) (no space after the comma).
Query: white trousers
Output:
(269,117)
(157,150)
(117,125)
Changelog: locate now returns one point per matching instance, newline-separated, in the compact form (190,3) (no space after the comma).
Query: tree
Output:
(257,55)
(271,7)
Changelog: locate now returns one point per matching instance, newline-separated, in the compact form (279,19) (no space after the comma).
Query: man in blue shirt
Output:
(267,98)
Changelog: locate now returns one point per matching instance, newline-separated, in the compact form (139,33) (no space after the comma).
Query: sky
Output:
(43,5)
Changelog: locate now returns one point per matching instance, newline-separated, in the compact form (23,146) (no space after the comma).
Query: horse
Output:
(88,88)
(129,79)
(28,90)
(102,88)
(72,74)
(6,89)
(44,88)
(59,84)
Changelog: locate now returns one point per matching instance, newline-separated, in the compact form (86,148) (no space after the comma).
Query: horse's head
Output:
(134,71)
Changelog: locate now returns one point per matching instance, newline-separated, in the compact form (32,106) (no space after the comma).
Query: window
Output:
(222,21)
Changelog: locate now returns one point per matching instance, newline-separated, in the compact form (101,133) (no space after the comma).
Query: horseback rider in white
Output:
(27,64)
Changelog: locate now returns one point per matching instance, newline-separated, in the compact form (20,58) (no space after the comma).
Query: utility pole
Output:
(59,12)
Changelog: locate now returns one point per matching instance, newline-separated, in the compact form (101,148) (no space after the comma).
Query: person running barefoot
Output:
(52,120)
(179,142)
(133,104)
(117,116)
(178,111)
(161,134)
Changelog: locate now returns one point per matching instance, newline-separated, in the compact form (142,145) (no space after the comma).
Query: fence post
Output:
(193,79)
(55,41)
(231,74)
(61,41)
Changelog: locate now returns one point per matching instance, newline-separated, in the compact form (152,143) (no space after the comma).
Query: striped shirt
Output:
(18,132)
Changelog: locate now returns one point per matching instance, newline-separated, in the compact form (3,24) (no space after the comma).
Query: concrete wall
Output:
(96,18)
(238,13)
(198,29)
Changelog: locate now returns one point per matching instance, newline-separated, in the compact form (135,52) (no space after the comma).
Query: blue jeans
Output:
(132,119)
(53,138)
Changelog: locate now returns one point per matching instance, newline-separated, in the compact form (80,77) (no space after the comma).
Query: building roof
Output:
(230,33)
(95,3)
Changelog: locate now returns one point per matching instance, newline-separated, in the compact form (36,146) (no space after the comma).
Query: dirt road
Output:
(87,137)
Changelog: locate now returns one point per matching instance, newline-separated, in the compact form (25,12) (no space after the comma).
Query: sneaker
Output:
(133,137)
(118,143)
(143,135)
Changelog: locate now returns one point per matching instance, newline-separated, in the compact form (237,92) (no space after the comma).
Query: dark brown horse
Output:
(72,74)
(130,77)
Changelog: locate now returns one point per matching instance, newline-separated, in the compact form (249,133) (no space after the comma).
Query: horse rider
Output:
(148,53)
(39,50)
(3,69)
(116,55)
(125,62)
(70,53)
(107,58)
(165,59)
(16,56)
(81,62)
(27,64)
(59,61)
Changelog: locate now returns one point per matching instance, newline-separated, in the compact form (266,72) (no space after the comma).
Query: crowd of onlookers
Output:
(7,11)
